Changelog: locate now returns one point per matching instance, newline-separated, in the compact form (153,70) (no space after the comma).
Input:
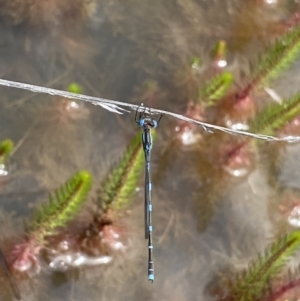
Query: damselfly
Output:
(146,122)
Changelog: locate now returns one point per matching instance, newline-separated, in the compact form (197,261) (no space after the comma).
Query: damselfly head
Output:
(147,122)
(144,119)
(150,122)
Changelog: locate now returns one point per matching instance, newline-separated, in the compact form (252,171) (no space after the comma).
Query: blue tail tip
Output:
(151,277)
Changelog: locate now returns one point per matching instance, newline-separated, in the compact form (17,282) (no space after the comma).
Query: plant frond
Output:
(220,49)
(6,147)
(62,207)
(216,88)
(275,116)
(122,181)
(285,289)
(250,284)
(277,57)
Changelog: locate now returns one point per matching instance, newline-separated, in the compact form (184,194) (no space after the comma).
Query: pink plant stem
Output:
(284,289)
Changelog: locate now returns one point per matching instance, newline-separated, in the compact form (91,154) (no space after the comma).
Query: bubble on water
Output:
(72,105)
(62,262)
(222,63)
(187,136)
(294,217)
(3,170)
(240,161)
(238,172)
(270,1)
(238,126)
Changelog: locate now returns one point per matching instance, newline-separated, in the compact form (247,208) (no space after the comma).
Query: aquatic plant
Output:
(270,120)
(100,237)
(116,190)
(75,88)
(219,54)
(51,216)
(253,283)
(287,288)
(275,59)
(6,147)
(195,62)
(276,115)
(104,235)
(215,89)
(278,57)
(61,208)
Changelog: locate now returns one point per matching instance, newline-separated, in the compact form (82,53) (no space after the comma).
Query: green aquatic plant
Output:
(276,115)
(6,147)
(287,288)
(216,88)
(276,58)
(61,208)
(122,181)
(219,51)
(75,88)
(195,62)
(252,283)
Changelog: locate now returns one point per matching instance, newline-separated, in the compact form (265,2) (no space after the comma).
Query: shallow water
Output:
(207,223)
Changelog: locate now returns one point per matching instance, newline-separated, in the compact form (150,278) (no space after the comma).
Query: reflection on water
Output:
(205,220)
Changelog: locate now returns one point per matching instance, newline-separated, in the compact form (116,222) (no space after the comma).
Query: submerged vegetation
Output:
(55,215)
(118,187)
(265,278)
(61,208)
(6,148)
(83,226)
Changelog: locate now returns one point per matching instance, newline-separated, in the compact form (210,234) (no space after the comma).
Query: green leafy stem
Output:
(216,88)
(61,208)
(120,184)
(276,115)
(288,288)
(276,58)
(252,283)
(6,147)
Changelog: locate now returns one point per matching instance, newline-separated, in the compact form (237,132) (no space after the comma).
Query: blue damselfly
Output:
(146,122)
